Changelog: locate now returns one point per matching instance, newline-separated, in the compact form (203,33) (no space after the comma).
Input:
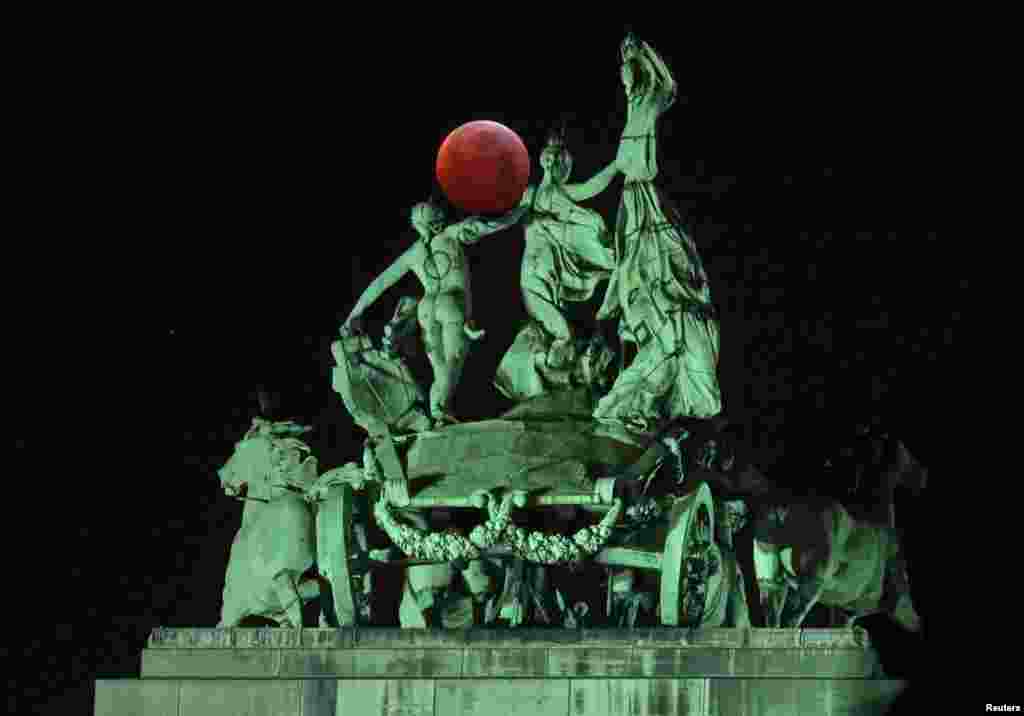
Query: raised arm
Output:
(471,230)
(384,281)
(660,75)
(593,186)
(660,69)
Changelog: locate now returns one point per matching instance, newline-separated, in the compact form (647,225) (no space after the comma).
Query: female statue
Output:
(567,253)
(659,289)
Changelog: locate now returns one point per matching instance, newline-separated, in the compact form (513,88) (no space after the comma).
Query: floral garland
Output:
(441,547)
(537,547)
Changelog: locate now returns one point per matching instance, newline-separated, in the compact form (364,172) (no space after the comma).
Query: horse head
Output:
(268,461)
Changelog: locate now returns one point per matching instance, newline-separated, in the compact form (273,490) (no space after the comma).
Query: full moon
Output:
(483,167)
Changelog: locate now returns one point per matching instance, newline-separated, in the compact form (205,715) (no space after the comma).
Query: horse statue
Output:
(291,517)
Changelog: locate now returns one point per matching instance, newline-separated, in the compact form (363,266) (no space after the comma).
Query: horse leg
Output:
(309,590)
(290,599)
(230,619)
(231,613)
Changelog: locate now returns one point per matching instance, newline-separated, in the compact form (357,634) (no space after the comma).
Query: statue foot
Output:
(442,419)
(561,353)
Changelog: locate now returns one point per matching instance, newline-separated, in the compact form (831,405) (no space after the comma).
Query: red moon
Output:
(483,167)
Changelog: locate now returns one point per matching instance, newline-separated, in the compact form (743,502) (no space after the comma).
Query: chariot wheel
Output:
(334,542)
(689,550)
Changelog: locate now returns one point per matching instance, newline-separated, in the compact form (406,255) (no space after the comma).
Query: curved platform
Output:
(549,458)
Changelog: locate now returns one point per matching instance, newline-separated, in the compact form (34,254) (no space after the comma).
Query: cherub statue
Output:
(567,254)
(659,289)
(445,311)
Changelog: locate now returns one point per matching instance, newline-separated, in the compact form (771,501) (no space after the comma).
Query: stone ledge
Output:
(485,696)
(551,662)
(507,653)
(394,638)
(211,663)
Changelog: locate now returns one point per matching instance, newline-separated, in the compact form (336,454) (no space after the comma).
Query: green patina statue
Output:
(638,488)
(567,253)
(659,290)
(445,311)
(276,546)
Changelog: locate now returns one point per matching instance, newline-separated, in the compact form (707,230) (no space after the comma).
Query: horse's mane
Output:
(282,444)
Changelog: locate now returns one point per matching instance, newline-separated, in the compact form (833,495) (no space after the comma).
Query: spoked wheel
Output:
(690,560)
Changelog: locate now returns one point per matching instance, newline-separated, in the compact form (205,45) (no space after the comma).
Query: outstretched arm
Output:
(471,230)
(593,186)
(383,282)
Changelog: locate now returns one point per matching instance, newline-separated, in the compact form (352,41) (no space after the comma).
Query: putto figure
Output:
(445,311)
(659,289)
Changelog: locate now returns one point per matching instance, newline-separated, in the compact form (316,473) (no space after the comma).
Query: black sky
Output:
(277,187)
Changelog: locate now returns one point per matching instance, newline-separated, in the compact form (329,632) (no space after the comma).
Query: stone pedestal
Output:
(481,672)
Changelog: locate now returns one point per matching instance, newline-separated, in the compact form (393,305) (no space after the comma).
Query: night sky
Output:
(809,177)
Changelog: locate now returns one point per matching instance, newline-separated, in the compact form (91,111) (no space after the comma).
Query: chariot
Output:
(530,479)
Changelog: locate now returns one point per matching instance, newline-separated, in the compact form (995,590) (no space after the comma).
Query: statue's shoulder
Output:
(416,246)
(449,235)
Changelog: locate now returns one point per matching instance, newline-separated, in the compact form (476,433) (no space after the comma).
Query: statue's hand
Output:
(353,326)
(630,46)
(473,332)
(609,312)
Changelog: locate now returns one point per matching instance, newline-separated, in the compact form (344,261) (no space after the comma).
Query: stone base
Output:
(370,672)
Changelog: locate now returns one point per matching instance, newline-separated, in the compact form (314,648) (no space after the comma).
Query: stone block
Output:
(390,697)
(269,638)
(677,662)
(133,697)
(320,697)
(801,663)
(834,638)
(513,697)
(507,662)
(612,637)
(164,638)
(327,638)
(784,697)
(396,638)
(774,639)
(381,663)
(638,697)
(589,662)
(521,638)
(210,663)
(217,697)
